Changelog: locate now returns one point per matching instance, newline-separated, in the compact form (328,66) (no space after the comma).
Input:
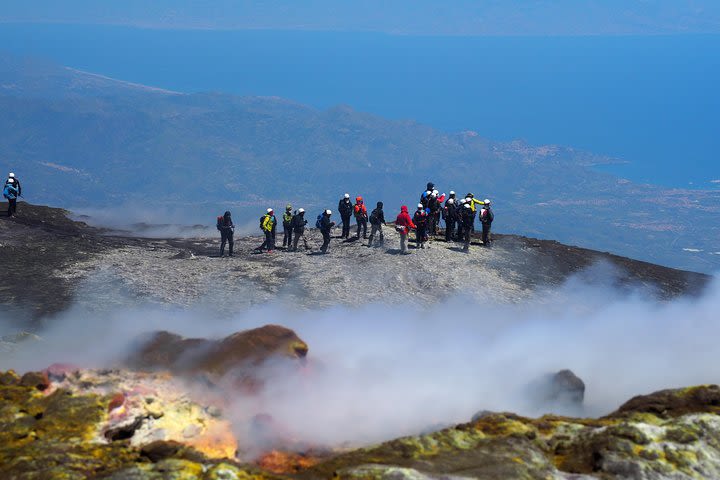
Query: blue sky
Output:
(419,17)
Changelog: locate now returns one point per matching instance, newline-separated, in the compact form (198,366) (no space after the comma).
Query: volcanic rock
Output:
(673,403)
(38,380)
(183,271)
(566,387)
(58,433)
(239,351)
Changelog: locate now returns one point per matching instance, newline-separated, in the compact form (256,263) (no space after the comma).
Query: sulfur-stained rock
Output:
(671,403)
(69,431)
(192,356)
(388,472)
(58,371)
(37,380)
(9,378)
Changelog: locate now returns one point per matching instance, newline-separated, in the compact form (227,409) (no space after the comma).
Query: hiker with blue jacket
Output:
(15,182)
(10,192)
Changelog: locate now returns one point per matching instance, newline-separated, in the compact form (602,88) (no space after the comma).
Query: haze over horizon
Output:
(403,17)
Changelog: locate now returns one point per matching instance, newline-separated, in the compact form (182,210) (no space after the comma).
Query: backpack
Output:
(359,211)
(220,221)
(262,220)
(318,220)
(374,220)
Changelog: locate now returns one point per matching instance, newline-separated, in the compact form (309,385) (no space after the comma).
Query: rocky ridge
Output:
(52,261)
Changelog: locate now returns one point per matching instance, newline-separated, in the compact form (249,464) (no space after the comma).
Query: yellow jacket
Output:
(268,223)
(474,202)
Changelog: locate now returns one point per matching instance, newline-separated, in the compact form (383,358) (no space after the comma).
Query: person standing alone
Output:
(361,216)
(10,192)
(227,229)
(345,207)
(325,228)
(377,220)
(267,225)
(403,224)
(298,225)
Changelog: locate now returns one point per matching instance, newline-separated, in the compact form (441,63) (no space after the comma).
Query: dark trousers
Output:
(432,224)
(420,234)
(269,242)
(449,229)
(326,241)
(467,235)
(346,226)
(376,229)
(459,235)
(361,225)
(288,234)
(226,236)
(296,239)
(486,234)
(12,206)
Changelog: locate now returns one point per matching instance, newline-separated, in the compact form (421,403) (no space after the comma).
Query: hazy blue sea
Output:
(653,101)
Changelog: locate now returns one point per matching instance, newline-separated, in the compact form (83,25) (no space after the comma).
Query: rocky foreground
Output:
(159,417)
(170,409)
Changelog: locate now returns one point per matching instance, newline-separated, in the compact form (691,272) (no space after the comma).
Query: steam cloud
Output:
(380,371)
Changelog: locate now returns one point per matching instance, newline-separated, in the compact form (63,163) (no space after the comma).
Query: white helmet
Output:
(467,205)
(487,201)
(269,210)
(468,199)
(420,205)
(10,180)
(428,193)
(347,195)
(11,175)
(328,212)
(435,192)
(301,210)
(451,201)
(463,201)
(452,192)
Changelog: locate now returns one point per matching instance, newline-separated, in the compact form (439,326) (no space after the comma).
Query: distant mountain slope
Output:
(79,139)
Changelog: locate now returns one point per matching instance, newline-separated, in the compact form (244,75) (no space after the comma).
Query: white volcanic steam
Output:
(380,371)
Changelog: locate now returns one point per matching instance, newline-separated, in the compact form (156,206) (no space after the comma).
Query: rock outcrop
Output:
(239,353)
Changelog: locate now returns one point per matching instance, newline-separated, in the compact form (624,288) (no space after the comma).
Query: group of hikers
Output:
(459,216)
(11,191)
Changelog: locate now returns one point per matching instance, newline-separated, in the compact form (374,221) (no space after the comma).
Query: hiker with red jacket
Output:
(403,224)
(227,228)
(361,217)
